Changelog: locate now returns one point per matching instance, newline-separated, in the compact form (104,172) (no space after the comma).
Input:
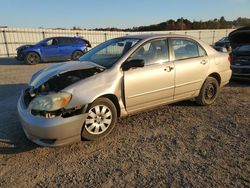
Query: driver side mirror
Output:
(133,64)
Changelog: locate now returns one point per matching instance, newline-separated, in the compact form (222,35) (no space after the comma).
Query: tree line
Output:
(185,24)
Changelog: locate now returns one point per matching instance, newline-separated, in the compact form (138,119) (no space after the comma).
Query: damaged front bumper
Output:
(56,131)
(20,55)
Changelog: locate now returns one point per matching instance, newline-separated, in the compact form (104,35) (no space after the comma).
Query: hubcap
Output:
(210,91)
(77,55)
(98,120)
(32,58)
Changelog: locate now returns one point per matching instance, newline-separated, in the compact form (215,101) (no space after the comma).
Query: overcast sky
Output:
(114,13)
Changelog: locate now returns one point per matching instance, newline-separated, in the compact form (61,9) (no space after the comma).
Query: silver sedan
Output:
(70,101)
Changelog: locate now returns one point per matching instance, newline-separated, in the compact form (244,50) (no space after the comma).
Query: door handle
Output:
(203,62)
(169,68)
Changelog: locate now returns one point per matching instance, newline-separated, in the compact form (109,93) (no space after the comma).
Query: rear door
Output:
(152,84)
(66,47)
(191,65)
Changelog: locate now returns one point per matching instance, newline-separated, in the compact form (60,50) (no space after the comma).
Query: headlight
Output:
(50,102)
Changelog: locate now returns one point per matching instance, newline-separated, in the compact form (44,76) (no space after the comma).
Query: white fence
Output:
(11,38)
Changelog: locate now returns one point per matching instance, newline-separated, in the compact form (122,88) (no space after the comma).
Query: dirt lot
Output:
(176,145)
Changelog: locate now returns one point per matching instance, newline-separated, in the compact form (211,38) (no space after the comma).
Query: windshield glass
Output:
(42,41)
(107,53)
(224,39)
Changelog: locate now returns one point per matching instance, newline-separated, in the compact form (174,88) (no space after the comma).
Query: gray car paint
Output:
(63,130)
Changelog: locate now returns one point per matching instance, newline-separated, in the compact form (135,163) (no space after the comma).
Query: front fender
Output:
(89,89)
(36,50)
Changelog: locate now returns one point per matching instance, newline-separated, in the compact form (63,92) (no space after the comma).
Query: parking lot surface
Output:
(174,145)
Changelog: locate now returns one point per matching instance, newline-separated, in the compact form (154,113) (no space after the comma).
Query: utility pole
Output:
(181,23)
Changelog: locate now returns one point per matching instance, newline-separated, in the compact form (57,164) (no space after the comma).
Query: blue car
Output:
(53,49)
(223,43)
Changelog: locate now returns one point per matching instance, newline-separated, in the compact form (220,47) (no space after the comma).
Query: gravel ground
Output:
(178,145)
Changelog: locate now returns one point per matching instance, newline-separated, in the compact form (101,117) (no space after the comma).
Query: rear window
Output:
(244,48)
(63,41)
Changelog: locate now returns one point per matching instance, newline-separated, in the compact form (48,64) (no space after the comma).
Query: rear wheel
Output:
(76,55)
(102,116)
(32,58)
(209,92)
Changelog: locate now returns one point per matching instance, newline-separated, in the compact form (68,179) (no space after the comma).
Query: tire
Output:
(209,92)
(76,55)
(32,58)
(96,125)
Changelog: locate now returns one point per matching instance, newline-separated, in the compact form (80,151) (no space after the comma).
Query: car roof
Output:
(239,31)
(153,36)
(144,37)
(63,37)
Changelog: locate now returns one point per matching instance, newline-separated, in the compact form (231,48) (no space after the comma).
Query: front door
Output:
(50,51)
(152,84)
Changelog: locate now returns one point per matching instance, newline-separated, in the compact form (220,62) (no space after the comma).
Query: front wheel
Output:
(209,92)
(32,58)
(102,116)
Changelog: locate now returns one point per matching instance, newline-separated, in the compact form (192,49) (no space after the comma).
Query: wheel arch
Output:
(216,76)
(110,98)
(34,51)
(76,50)
(114,100)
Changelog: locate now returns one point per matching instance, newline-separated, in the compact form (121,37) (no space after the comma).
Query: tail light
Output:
(88,43)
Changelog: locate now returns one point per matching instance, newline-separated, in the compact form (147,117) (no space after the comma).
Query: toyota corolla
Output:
(70,101)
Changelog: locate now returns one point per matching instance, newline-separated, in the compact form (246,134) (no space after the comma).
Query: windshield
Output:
(107,53)
(224,39)
(42,41)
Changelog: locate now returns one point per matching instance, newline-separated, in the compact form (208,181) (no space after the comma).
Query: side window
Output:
(184,49)
(64,41)
(202,52)
(78,40)
(72,41)
(52,42)
(49,42)
(152,52)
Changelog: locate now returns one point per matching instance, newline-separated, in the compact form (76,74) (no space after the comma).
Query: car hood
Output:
(45,74)
(25,46)
(239,37)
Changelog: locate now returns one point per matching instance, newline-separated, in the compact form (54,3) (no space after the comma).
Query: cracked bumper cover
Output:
(55,131)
